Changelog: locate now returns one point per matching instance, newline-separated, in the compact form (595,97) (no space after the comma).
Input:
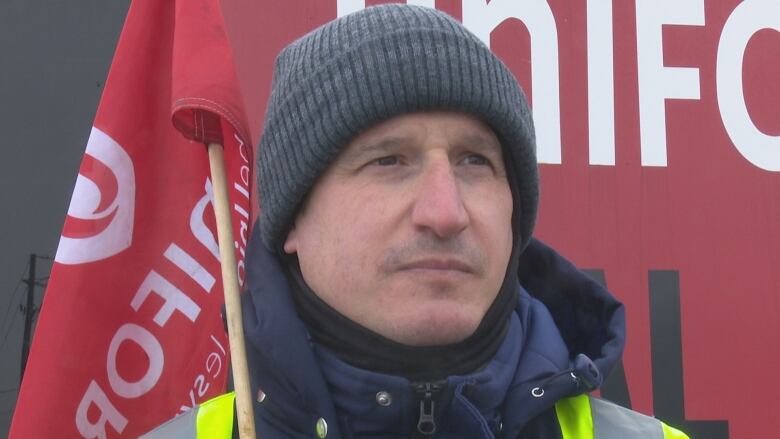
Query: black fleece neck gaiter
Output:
(365,349)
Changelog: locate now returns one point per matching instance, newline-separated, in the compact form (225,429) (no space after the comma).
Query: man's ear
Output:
(291,242)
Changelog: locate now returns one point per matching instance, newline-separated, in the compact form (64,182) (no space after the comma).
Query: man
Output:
(394,287)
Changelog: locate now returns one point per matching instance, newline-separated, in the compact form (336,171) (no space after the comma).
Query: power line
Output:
(8,331)
(16,290)
(39,281)
(29,313)
(29,310)
(10,321)
(7,323)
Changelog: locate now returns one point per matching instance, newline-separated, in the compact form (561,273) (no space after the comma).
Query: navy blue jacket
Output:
(564,337)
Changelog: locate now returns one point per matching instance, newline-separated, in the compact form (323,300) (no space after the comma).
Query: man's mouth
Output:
(442,265)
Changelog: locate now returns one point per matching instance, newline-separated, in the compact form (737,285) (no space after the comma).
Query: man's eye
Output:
(476,159)
(387,161)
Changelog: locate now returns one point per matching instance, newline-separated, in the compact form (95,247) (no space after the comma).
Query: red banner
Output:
(130,332)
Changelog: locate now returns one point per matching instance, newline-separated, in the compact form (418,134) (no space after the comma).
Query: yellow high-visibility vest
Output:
(586,417)
(211,420)
(580,417)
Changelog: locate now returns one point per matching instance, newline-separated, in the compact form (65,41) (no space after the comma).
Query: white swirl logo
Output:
(101,212)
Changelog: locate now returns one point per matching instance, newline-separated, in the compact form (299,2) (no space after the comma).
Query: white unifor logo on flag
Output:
(101,212)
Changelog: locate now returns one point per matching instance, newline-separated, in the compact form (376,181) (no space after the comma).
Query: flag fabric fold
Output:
(130,332)
(205,86)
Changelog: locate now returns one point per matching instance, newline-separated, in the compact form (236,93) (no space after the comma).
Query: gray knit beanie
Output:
(382,61)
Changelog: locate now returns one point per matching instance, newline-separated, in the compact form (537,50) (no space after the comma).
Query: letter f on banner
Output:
(656,82)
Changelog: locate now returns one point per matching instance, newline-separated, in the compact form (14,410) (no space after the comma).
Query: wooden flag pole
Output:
(246,420)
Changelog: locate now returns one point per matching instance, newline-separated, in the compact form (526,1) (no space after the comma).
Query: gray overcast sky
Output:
(54,58)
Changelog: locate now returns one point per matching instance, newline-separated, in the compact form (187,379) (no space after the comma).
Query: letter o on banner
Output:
(148,342)
(749,17)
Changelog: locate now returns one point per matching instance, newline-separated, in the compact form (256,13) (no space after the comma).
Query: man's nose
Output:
(439,205)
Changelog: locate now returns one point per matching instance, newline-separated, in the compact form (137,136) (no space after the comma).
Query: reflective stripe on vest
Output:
(584,417)
(212,419)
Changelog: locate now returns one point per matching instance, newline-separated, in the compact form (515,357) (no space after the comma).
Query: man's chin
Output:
(435,329)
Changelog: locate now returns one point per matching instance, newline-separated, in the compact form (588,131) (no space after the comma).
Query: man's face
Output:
(408,233)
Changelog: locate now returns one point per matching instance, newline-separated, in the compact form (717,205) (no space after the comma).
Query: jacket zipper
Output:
(426,392)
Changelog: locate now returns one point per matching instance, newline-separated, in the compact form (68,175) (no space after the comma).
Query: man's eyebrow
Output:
(481,143)
(356,154)
(383,145)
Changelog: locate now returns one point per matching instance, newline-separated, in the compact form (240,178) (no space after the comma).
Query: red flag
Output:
(130,331)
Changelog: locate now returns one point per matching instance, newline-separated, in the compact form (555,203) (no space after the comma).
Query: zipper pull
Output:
(426,392)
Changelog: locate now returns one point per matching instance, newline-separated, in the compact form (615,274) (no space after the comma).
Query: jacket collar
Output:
(567,320)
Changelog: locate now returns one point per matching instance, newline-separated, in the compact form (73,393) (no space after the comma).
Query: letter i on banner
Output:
(130,327)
